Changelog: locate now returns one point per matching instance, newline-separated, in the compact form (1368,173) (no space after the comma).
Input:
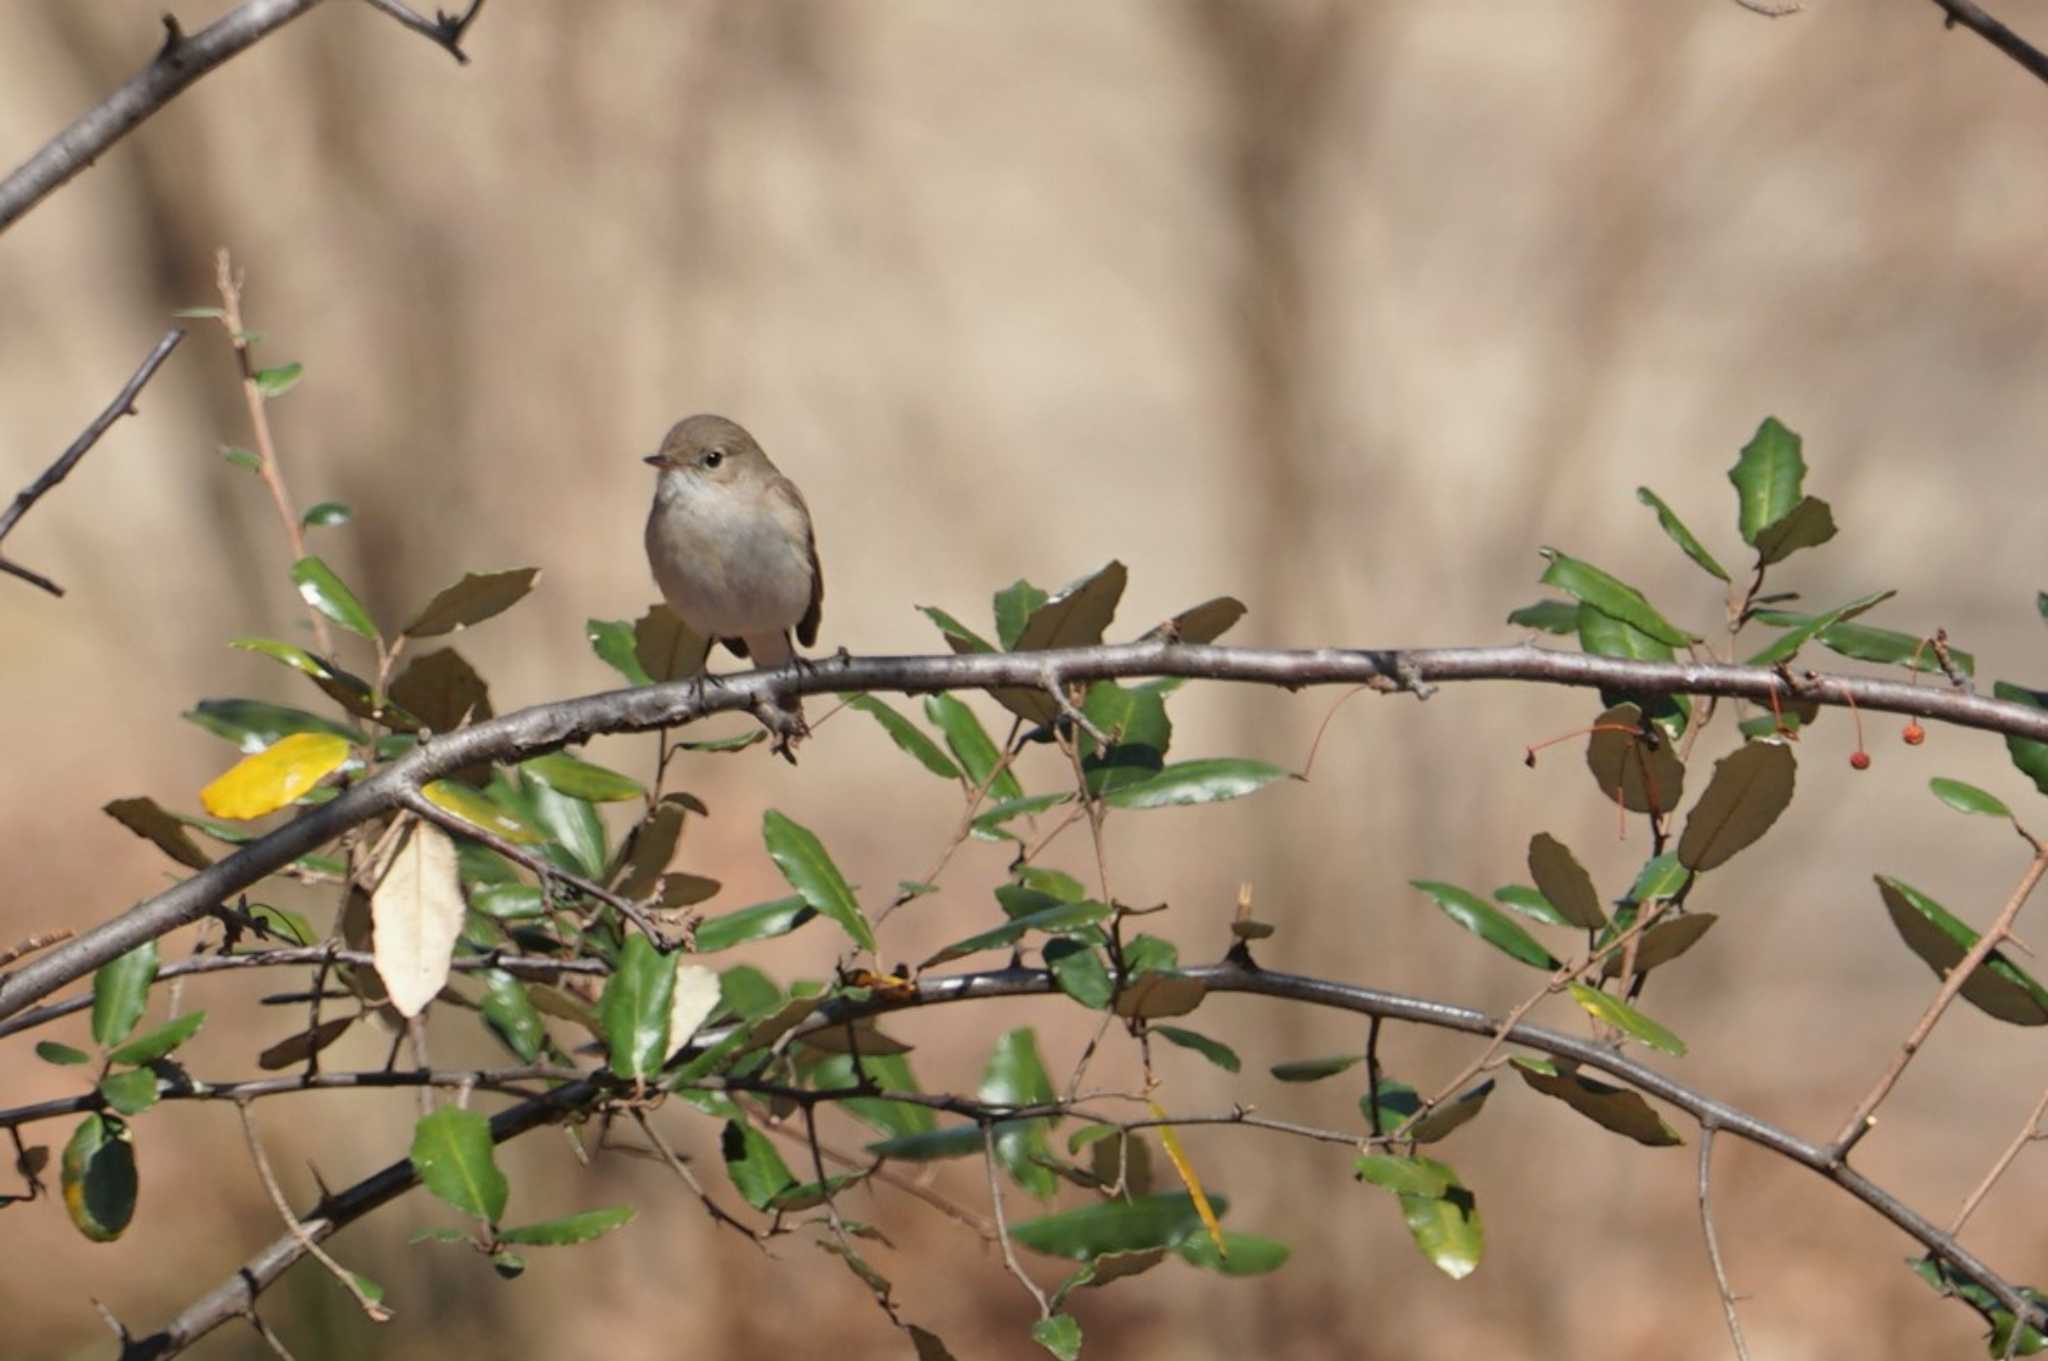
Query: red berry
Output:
(1860,760)
(1914,733)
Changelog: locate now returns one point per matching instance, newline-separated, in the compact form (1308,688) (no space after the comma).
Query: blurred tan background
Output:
(1345,309)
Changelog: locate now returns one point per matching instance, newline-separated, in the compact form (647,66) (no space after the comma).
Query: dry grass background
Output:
(1342,308)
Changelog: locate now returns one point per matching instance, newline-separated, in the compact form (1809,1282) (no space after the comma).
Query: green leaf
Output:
(1016,1076)
(1793,639)
(481,811)
(1675,529)
(1752,786)
(1531,904)
(1487,922)
(1661,876)
(1967,798)
(1405,1176)
(1076,615)
(475,598)
(1768,476)
(612,641)
(511,1015)
(241,458)
(1136,724)
(351,692)
(1060,1334)
(1315,1070)
(157,1043)
(988,826)
(1065,917)
(63,1055)
(1155,1221)
(120,991)
(1080,972)
(325,515)
(1203,623)
(1190,782)
(131,1092)
(572,824)
(1998,987)
(149,821)
(634,1009)
(451,1150)
(254,725)
(2030,756)
(98,1177)
(1443,1217)
(971,746)
(960,637)
(954,1141)
(1610,596)
(204,313)
(278,381)
(1868,643)
(810,871)
(762,921)
(906,735)
(1244,1254)
(576,1228)
(1616,1108)
(1451,1115)
(1564,883)
(1625,1018)
(757,1170)
(1013,609)
(325,592)
(1603,635)
(885,1072)
(1807,525)
(1550,616)
(1222,1055)
(579,779)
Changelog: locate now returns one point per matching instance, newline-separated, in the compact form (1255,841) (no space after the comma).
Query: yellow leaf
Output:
(471,806)
(273,777)
(1171,1143)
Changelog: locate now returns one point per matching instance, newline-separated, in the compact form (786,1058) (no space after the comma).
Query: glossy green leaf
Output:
(1531,904)
(1868,643)
(1203,623)
(1613,1011)
(1549,616)
(1674,528)
(576,1228)
(325,592)
(1564,883)
(1610,596)
(1769,477)
(612,641)
(155,1044)
(634,1009)
(1059,1334)
(120,991)
(1751,787)
(757,1170)
(482,811)
(953,1141)
(1218,1053)
(1190,782)
(451,1151)
(570,823)
(1063,917)
(1442,1216)
(810,871)
(1967,798)
(1099,1230)
(326,515)
(907,736)
(1139,731)
(350,691)
(2030,756)
(1315,1070)
(1616,1108)
(278,381)
(1081,973)
(971,746)
(1016,1077)
(470,601)
(98,1177)
(1807,525)
(1790,641)
(1602,635)
(990,825)
(961,638)
(63,1055)
(579,779)
(1244,1254)
(145,818)
(1642,773)
(1405,1175)
(254,725)
(884,1072)
(1013,607)
(1998,987)
(131,1092)
(1661,876)
(1487,922)
(511,1015)
(762,921)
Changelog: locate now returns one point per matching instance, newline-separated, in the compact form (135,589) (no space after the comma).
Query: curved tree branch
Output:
(1973,16)
(546,727)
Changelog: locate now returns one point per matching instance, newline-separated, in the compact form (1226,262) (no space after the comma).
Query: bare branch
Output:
(1972,16)
(444,30)
(122,405)
(1707,1129)
(2028,1133)
(374,1311)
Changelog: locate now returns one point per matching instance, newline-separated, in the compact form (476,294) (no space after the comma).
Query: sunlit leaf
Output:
(253,724)
(1549,616)
(157,1043)
(278,381)
(482,811)
(1675,529)
(972,747)
(800,856)
(612,641)
(1997,986)
(635,1008)
(1016,1077)
(1790,641)
(906,735)
(1155,1221)
(1769,477)
(1610,596)
(1967,798)
(1625,1018)
(98,1177)
(579,779)
(757,1170)
(275,776)
(129,1093)
(1203,781)
(451,1151)
(325,592)
(418,910)
(1062,917)
(325,515)
(1013,607)
(576,1228)
(120,992)
(1487,922)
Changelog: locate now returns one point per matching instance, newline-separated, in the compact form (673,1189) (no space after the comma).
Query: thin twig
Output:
(269,1336)
(718,1213)
(2029,1132)
(1973,17)
(995,1195)
(1714,1243)
(41,940)
(505,1081)
(444,30)
(372,1310)
(122,405)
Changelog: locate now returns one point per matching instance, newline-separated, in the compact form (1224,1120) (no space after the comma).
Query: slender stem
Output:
(372,1310)
(2029,1132)
(995,1195)
(1714,1243)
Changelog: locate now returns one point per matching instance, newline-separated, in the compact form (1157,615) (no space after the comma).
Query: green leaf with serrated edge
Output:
(1080,972)
(957,634)
(145,818)
(2030,756)
(1967,798)
(762,921)
(1315,1070)
(481,811)
(989,826)
(1061,918)
(612,641)
(810,871)
(280,380)
(1059,1334)
(1564,883)
(1809,524)
(1662,943)
(576,1228)
(470,601)
(1609,595)
(131,1092)
(907,736)
(98,1177)
(1674,528)
(634,1009)
(971,746)
(1243,1254)
(511,1015)
(63,1055)
(1222,1055)
(1145,954)
(579,779)
(757,1170)
(884,1072)
(1790,641)
(253,724)
(1997,987)
(326,515)
(1549,616)
(1016,1076)
(1625,1018)
(1868,643)
(120,991)
(1603,635)
(1190,782)
(1641,773)
(155,1044)
(1769,477)
(1616,1108)
(1154,1221)
(451,1151)
(1013,607)
(1751,788)
(1203,623)
(324,591)
(1487,922)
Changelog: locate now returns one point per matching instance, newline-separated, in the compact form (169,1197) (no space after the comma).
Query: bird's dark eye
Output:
(713,457)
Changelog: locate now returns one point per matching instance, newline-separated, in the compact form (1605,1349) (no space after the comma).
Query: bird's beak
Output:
(655,460)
